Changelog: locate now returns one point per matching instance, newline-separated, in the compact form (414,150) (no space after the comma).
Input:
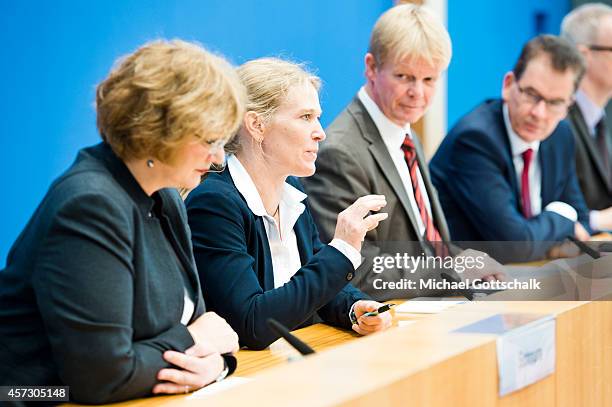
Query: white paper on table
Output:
(223,385)
(426,307)
(402,324)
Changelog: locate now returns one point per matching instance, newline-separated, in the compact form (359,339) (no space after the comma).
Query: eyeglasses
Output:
(532,98)
(215,146)
(594,47)
(218,167)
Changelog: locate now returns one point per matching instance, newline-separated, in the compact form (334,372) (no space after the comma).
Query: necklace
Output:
(276,211)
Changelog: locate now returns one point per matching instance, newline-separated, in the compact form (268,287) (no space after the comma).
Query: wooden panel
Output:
(425,364)
(459,379)
(391,368)
(539,394)
(584,356)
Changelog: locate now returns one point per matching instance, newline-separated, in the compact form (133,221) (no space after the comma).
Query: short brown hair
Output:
(158,97)
(562,54)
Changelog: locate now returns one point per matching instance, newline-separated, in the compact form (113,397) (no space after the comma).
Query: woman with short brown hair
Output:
(100,291)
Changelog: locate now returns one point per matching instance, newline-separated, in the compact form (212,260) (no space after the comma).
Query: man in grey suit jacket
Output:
(589,27)
(371,149)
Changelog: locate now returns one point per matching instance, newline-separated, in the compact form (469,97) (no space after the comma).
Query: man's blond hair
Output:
(410,31)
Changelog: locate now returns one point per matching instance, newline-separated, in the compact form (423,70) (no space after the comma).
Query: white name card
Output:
(526,354)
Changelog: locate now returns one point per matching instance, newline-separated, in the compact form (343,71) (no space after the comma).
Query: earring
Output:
(150,163)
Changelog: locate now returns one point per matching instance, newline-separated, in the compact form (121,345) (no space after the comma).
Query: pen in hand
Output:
(380,310)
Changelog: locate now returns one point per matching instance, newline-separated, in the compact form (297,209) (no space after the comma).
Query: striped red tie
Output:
(431,232)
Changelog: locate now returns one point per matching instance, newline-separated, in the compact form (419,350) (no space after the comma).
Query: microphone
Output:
(283,332)
(467,293)
(584,247)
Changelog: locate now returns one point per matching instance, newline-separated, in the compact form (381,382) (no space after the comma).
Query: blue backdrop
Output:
(487,39)
(55,53)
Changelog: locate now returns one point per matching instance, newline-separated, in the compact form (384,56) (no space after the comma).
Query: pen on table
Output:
(380,310)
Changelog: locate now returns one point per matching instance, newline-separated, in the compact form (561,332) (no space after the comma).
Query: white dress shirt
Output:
(393,137)
(188,307)
(281,238)
(518,146)
(590,111)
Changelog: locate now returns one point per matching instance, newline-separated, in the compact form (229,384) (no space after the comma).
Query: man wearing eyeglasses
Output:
(589,27)
(506,171)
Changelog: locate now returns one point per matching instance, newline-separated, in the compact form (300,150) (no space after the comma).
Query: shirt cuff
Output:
(594,220)
(352,316)
(349,251)
(563,209)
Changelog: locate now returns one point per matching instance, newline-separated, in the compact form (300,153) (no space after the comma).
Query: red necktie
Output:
(525,198)
(431,232)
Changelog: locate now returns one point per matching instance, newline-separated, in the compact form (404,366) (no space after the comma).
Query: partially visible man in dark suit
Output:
(506,171)
(371,149)
(589,27)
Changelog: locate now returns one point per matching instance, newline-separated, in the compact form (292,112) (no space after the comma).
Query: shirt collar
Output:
(392,134)
(291,196)
(590,111)
(517,144)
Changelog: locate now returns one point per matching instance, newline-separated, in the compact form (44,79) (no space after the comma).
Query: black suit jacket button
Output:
(349,276)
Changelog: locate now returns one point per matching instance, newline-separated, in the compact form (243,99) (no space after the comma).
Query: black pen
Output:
(380,310)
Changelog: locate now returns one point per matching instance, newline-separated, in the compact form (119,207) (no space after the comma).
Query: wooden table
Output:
(426,364)
(320,337)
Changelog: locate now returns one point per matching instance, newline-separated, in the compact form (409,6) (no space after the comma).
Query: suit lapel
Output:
(303,238)
(436,208)
(264,256)
(504,139)
(179,234)
(379,151)
(266,274)
(546,184)
(580,128)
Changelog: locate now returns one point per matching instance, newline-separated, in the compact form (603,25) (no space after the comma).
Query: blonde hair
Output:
(267,82)
(581,26)
(164,94)
(410,30)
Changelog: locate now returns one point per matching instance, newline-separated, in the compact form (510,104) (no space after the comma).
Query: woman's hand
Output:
(198,366)
(353,224)
(211,329)
(366,325)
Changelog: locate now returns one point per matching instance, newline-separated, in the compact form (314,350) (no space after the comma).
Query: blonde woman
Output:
(256,246)
(100,291)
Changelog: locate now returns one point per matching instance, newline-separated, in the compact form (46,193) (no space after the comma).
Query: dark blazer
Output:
(233,258)
(352,162)
(92,293)
(478,188)
(596,187)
